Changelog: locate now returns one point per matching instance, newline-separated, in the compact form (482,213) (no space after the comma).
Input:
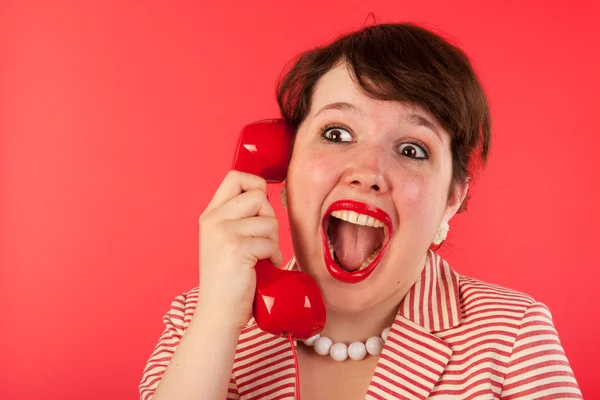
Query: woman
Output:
(391,117)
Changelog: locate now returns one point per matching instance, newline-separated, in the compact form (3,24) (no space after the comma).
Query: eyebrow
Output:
(420,120)
(412,118)
(342,106)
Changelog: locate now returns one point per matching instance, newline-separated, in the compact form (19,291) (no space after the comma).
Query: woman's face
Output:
(383,159)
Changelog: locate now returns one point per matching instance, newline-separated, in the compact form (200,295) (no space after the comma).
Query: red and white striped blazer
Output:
(454,338)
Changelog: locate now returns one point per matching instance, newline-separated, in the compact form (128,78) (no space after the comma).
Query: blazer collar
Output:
(414,357)
(434,302)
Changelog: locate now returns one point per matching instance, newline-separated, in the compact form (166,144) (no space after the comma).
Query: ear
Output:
(284,195)
(458,195)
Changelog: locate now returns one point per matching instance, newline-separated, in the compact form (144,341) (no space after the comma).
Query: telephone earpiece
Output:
(285,302)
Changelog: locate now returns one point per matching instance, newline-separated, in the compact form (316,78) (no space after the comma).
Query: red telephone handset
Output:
(285,302)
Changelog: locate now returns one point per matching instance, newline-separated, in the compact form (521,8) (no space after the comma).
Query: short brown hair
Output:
(407,63)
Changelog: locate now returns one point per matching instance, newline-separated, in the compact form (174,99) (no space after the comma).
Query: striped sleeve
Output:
(538,367)
(176,321)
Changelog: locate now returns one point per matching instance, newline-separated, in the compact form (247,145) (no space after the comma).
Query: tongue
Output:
(353,243)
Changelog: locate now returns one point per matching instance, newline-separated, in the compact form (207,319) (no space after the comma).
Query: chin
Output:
(347,298)
(343,301)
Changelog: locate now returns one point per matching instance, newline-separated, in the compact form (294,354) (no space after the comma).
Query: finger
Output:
(248,204)
(265,227)
(262,249)
(235,183)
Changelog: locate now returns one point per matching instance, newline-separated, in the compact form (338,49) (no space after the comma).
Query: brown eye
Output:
(337,135)
(412,150)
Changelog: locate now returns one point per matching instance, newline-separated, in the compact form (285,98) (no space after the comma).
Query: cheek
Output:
(310,173)
(411,192)
(415,197)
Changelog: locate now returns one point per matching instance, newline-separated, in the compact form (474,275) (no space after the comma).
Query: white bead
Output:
(339,352)
(322,345)
(385,333)
(310,341)
(357,350)
(374,345)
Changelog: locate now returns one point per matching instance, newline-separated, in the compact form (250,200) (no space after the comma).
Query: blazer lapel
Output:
(414,358)
(410,364)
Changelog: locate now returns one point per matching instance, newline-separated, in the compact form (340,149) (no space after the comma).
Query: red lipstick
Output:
(361,208)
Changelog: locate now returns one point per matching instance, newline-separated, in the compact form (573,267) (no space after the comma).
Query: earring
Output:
(441,233)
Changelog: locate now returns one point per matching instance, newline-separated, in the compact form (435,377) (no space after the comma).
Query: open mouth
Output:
(355,237)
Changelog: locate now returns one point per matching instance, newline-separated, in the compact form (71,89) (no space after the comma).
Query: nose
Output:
(367,174)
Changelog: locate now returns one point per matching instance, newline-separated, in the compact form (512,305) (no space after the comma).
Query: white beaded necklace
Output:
(356,350)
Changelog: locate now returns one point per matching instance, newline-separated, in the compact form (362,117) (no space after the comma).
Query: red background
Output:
(118,121)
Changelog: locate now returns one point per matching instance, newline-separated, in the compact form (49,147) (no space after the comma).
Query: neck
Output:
(347,327)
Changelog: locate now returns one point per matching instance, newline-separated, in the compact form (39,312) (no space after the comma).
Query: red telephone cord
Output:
(296,366)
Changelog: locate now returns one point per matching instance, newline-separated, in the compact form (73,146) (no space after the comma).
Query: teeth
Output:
(330,245)
(356,218)
(370,259)
(362,219)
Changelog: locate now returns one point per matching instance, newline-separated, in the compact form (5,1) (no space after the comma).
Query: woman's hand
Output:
(237,229)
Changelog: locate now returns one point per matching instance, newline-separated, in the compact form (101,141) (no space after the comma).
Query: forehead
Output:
(335,85)
(338,90)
